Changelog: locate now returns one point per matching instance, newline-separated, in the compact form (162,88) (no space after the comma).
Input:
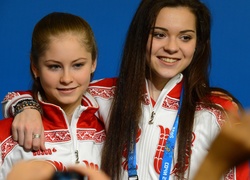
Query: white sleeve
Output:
(5,167)
(10,100)
(2,170)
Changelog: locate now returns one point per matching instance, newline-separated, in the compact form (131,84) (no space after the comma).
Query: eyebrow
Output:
(164,29)
(74,60)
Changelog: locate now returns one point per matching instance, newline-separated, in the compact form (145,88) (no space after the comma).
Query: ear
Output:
(34,70)
(93,68)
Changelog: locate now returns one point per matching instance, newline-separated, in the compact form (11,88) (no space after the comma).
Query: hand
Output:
(230,148)
(31,170)
(91,173)
(235,137)
(25,125)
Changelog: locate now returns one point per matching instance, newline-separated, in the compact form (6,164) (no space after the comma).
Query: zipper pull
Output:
(151,121)
(77,157)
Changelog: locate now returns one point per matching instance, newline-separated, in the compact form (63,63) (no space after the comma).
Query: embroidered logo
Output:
(170,103)
(164,133)
(220,117)
(57,136)
(48,151)
(84,134)
(102,92)
(91,134)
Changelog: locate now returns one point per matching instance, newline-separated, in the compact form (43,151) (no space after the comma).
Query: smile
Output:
(66,89)
(169,60)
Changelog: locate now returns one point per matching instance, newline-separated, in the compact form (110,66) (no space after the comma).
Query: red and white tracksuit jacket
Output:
(207,124)
(80,141)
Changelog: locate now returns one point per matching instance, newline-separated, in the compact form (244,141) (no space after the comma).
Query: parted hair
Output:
(126,109)
(54,25)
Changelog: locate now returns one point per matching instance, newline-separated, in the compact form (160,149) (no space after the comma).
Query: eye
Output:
(78,65)
(54,67)
(159,35)
(185,38)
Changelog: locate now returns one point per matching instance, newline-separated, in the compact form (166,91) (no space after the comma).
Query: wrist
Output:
(26,104)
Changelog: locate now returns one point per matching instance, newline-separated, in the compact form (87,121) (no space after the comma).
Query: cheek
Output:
(189,52)
(84,78)
(48,79)
(48,82)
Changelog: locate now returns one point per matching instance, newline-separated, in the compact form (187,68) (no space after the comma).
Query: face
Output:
(65,71)
(173,43)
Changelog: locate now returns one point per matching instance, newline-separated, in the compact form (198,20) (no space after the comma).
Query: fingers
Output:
(15,128)
(42,141)
(14,132)
(25,125)
(91,173)
(38,142)
(23,135)
(20,132)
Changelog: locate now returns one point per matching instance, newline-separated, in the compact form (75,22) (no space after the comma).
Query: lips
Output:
(168,60)
(66,89)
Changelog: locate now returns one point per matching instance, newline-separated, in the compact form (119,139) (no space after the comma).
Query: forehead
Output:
(66,46)
(65,40)
(176,18)
(67,35)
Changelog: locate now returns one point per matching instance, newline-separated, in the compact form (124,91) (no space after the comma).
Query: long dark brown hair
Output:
(126,108)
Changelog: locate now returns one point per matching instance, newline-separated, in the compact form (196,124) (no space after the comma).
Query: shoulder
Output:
(106,82)
(16,95)
(104,88)
(224,100)
(221,105)
(11,99)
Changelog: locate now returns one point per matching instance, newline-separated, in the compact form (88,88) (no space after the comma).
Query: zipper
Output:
(151,121)
(77,157)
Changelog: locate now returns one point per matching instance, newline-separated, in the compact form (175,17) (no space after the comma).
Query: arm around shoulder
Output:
(11,99)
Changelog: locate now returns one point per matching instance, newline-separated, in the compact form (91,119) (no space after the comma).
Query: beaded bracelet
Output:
(25,104)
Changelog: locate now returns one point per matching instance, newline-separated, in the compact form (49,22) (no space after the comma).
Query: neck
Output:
(155,87)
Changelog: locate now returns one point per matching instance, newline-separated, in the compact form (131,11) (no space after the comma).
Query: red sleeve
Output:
(226,103)
(107,82)
(11,99)
(243,171)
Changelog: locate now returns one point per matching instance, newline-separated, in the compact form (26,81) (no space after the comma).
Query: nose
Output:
(171,45)
(66,77)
